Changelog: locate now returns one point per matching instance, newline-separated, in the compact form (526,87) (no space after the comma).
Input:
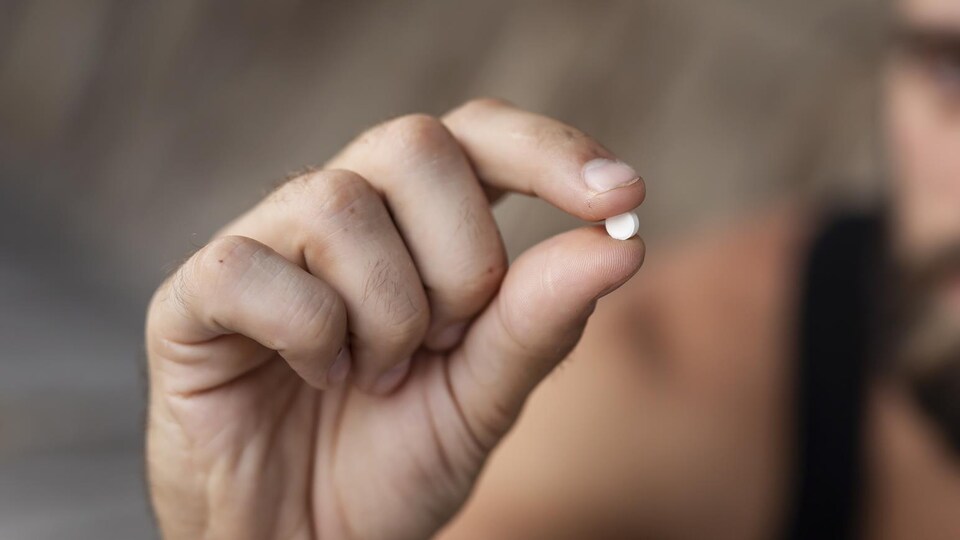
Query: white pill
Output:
(624,226)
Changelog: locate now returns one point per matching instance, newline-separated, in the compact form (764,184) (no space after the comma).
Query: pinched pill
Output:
(624,226)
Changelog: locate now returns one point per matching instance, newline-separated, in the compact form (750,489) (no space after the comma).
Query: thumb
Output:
(533,323)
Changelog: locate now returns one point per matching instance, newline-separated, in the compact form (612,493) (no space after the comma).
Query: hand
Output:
(339,362)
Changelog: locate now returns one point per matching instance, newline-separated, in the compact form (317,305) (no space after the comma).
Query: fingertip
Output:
(445,336)
(340,368)
(611,187)
(632,250)
(390,380)
(631,255)
(602,175)
(590,251)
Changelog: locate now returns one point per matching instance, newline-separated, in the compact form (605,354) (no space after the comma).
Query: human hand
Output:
(339,361)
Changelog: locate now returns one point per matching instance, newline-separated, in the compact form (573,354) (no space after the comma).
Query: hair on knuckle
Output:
(328,194)
(382,290)
(181,293)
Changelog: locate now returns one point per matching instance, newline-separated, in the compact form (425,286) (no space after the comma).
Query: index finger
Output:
(519,151)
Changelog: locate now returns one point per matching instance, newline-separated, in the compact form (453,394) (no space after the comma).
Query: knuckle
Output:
(560,137)
(332,193)
(411,325)
(401,307)
(476,286)
(408,321)
(417,136)
(480,104)
(226,258)
(407,327)
(339,191)
(490,278)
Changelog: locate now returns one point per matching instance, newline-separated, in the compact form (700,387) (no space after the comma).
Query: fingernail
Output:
(449,336)
(340,368)
(602,175)
(391,378)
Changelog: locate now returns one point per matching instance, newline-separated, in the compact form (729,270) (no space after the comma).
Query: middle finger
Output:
(442,212)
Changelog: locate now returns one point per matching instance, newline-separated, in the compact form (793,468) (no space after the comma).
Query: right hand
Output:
(339,361)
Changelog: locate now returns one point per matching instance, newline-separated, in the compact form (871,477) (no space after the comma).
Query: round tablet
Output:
(624,226)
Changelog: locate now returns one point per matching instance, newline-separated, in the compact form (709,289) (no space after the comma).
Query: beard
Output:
(926,349)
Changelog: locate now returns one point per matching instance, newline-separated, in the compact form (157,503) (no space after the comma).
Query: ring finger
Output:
(335,225)
(442,213)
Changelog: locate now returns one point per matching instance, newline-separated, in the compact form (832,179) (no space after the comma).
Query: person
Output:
(349,359)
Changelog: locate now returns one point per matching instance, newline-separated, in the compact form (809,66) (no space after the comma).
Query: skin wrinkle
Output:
(334,447)
(410,303)
(505,320)
(473,278)
(183,291)
(446,462)
(273,440)
(475,448)
(257,364)
(333,213)
(190,454)
(226,263)
(186,398)
(436,159)
(465,214)
(469,220)
(314,436)
(481,443)
(387,292)
(321,318)
(277,410)
(376,278)
(420,469)
(261,453)
(339,197)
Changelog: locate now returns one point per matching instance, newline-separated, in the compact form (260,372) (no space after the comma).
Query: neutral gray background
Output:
(129,130)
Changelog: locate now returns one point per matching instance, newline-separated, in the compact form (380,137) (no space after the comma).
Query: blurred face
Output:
(923,120)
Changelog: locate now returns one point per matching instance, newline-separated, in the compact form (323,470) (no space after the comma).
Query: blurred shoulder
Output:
(765,244)
(742,275)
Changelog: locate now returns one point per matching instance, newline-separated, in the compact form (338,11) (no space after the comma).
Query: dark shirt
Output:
(839,311)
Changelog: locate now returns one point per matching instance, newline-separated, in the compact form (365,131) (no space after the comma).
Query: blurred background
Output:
(130,130)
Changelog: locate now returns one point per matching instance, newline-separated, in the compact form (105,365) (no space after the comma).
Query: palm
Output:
(376,454)
(356,458)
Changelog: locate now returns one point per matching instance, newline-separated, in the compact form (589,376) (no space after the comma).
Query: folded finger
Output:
(442,213)
(335,225)
(235,290)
